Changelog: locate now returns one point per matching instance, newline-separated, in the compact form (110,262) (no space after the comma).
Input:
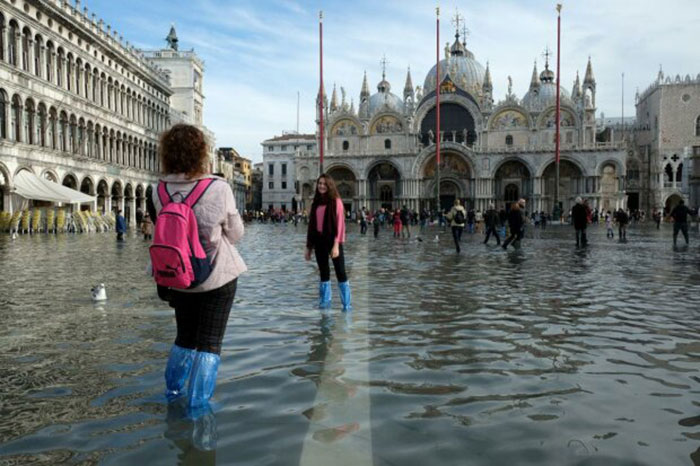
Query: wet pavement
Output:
(546,355)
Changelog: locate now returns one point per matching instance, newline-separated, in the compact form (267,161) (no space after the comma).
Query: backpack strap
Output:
(197,192)
(163,194)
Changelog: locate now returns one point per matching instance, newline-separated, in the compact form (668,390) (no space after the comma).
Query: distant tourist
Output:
(609,225)
(376,223)
(121,226)
(201,308)
(147,227)
(325,237)
(680,221)
(515,224)
(397,223)
(622,219)
(579,215)
(363,221)
(491,222)
(457,217)
(405,222)
(657,219)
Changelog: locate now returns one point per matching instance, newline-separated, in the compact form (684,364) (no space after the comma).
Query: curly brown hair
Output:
(183,149)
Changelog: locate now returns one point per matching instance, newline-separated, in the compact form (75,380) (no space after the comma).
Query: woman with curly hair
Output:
(325,236)
(201,311)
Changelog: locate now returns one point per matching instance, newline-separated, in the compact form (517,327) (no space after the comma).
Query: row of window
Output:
(271,169)
(284,148)
(51,63)
(271,185)
(697,126)
(55,129)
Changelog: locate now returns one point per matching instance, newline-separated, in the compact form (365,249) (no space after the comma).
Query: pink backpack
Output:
(177,255)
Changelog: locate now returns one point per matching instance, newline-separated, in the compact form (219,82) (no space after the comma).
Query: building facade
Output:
(237,170)
(280,169)
(384,153)
(665,150)
(78,106)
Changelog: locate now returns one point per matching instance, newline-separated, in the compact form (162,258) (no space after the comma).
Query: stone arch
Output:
(429,104)
(458,125)
(546,120)
(139,193)
(50,174)
(619,167)
(384,180)
(117,193)
(427,153)
(87,186)
(512,180)
(70,180)
(510,118)
(387,123)
(571,184)
(102,195)
(346,181)
(577,163)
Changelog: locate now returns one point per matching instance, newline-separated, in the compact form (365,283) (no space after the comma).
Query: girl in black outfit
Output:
(325,236)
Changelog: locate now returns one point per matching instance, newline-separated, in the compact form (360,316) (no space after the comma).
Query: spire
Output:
(334,99)
(547,76)
(660,77)
(352,105)
(365,87)
(458,48)
(488,85)
(172,38)
(409,83)
(576,92)
(589,73)
(535,81)
(384,85)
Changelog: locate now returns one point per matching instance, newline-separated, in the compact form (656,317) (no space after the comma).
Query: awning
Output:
(30,186)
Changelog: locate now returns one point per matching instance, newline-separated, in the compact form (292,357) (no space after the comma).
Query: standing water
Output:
(547,355)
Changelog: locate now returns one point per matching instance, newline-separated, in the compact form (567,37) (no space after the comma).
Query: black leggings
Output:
(202,317)
(322,255)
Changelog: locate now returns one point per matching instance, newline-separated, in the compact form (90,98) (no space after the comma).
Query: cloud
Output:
(260,53)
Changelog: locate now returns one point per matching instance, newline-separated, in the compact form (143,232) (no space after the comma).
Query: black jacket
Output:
(313,237)
(680,213)
(579,215)
(515,221)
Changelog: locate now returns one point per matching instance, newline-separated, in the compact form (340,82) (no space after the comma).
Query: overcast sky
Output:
(260,53)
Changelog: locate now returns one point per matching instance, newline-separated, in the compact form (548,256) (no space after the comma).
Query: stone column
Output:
(30,56)
(5,42)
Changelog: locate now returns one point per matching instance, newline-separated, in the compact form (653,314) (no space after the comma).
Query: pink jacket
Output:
(220,227)
(340,220)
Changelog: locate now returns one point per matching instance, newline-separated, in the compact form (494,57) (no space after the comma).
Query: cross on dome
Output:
(546,55)
(384,62)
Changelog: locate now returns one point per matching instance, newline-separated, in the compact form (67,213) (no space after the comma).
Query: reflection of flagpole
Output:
(557,143)
(437,111)
(320,92)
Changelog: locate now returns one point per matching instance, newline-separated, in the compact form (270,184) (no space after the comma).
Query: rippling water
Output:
(543,356)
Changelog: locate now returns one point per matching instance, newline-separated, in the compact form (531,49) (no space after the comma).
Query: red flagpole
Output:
(320,91)
(558,123)
(437,109)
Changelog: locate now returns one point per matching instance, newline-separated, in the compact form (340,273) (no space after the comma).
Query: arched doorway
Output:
(139,197)
(453,169)
(346,183)
(117,197)
(384,185)
(102,196)
(87,187)
(4,189)
(449,192)
(571,183)
(70,182)
(671,202)
(307,196)
(512,181)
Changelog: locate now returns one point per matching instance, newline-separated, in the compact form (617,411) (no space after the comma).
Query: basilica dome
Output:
(461,67)
(384,100)
(545,94)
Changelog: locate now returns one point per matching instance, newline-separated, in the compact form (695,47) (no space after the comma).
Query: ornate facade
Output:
(78,105)
(384,153)
(665,157)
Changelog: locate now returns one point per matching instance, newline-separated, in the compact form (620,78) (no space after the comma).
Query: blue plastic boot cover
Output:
(204,431)
(345,296)
(177,371)
(324,295)
(203,378)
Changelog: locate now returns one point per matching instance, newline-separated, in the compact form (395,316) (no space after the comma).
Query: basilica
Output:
(383,154)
